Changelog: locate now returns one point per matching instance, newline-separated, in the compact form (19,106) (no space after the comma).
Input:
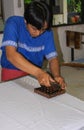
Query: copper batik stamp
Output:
(51,91)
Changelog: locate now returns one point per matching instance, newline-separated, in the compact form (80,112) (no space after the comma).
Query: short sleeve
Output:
(10,36)
(50,49)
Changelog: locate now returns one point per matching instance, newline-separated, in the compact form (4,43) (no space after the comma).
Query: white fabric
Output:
(22,109)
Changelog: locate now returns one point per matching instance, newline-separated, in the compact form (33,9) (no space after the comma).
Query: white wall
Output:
(62,17)
(78,53)
(18,7)
(13,7)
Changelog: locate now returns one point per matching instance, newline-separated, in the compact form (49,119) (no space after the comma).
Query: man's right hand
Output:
(44,79)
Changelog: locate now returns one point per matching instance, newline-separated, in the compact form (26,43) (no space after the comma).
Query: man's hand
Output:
(45,79)
(61,81)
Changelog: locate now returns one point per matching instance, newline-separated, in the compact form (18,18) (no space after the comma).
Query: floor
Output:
(74,78)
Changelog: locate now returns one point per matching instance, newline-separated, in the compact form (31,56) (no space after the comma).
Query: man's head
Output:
(38,16)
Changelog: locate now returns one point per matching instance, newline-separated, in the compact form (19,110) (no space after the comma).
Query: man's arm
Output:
(21,63)
(55,70)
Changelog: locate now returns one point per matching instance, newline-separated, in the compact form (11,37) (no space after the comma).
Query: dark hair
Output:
(36,13)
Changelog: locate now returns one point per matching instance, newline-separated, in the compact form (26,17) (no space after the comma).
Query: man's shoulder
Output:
(14,18)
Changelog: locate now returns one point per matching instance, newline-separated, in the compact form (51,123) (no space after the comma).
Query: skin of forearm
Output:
(55,70)
(54,67)
(21,63)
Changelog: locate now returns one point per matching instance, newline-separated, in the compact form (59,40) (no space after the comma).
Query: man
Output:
(26,42)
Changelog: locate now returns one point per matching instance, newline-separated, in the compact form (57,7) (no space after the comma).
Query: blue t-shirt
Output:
(33,49)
